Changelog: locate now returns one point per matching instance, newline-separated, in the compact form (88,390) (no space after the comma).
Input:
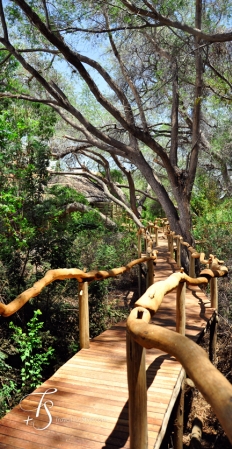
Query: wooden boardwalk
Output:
(84,404)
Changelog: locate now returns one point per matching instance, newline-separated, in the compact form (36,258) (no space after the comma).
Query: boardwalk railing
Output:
(83,279)
(149,235)
(140,335)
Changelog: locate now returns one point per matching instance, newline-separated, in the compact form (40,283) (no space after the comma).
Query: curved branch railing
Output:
(213,385)
(67,273)
(140,334)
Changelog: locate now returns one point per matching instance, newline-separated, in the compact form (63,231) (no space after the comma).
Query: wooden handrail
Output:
(213,385)
(141,334)
(153,297)
(66,273)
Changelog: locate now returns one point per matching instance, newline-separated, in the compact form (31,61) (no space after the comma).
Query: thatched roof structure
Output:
(89,189)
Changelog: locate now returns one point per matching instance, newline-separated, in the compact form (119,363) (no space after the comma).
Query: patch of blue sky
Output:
(86,47)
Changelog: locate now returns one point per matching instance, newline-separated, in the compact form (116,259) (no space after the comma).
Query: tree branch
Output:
(74,60)
(196,133)
(79,207)
(112,30)
(107,193)
(131,186)
(127,78)
(174,116)
(3,21)
(29,98)
(153,14)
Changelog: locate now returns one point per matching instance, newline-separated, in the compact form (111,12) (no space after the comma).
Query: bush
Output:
(33,351)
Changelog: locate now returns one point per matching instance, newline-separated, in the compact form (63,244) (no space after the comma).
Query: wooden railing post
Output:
(180,308)
(214,324)
(214,293)
(150,272)
(180,328)
(179,419)
(145,241)
(171,245)
(139,266)
(192,272)
(156,235)
(213,338)
(178,250)
(137,386)
(83,315)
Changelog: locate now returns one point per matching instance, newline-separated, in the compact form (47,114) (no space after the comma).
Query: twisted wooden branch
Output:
(213,385)
(66,273)
(153,297)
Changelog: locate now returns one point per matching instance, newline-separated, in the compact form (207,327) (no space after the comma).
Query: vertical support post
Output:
(175,247)
(83,315)
(213,339)
(180,308)
(165,225)
(139,244)
(150,272)
(139,280)
(146,242)
(156,235)
(178,251)
(214,293)
(180,328)
(179,419)
(214,324)
(137,386)
(192,273)
(139,266)
(171,245)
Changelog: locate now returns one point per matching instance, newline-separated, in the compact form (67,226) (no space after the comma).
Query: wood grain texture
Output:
(90,406)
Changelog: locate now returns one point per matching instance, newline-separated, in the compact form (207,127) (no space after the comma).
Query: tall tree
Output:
(153,80)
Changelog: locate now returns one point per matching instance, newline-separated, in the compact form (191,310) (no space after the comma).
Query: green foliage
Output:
(116,175)
(151,209)
(104,250)
(97,308)
(8,392)
(33,350)
(214,230)
(102,313)
(3,365)
(24,158)
(66,195)
(205,194)
(211,216)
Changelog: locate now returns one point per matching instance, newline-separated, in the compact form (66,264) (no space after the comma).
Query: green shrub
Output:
(7,395)
(33,353)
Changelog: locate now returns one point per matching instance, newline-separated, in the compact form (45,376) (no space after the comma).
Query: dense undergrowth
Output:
(44,334)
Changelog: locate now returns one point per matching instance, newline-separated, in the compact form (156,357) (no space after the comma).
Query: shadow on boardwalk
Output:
(111,440)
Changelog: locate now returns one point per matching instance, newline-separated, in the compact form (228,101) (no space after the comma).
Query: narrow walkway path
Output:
(84,404)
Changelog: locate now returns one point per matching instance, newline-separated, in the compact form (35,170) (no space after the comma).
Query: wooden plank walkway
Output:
(84,404)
